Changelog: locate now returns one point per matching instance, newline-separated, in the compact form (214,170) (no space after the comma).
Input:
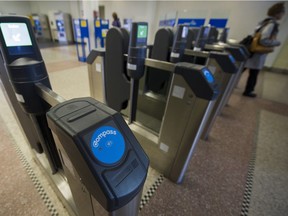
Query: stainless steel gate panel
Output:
(81,196)
(96,79)
(225,82)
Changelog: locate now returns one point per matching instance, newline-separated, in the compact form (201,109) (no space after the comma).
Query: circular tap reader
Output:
(108,145)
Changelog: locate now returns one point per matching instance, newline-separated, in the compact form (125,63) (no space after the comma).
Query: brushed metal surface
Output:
(80,194)
(96,79)
(183,122)
(197,53)
(165,66)
(48,95)
(186,149)
(234,82)
(225,83)
(131,209)
(59,184)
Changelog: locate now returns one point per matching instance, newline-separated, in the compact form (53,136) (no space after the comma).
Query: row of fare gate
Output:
(60,27)
(100,150)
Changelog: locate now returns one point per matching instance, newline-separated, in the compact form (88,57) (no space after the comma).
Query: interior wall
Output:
(281,60)
(242,16)
(282,37)
(15,7)
(136,10)
(44,6)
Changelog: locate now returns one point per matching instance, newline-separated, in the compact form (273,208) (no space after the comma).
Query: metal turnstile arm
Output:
(48,95)
(94,54)
(166,66)
(196,53)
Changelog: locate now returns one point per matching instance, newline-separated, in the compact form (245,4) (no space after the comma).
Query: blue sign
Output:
(209,77)
(169,22)
(84,28)
(218,23)
(107,145)
(81,32)
(191,22)
(162,23)
(101,27)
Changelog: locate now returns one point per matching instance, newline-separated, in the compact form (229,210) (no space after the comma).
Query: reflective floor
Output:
(241,169)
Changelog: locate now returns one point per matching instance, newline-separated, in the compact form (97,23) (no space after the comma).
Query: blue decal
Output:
(232,59)
(170,22)
(101,27)
(60,25)
(209,77)
(218,23)
(162,23)
(191,22)
(107,144)
(84,28)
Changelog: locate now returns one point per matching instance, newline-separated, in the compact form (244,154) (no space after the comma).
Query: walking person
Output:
(269,30)
(116,20)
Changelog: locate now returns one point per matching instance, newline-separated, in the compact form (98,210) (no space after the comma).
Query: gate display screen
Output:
(15,34)
(17,38)
(142,35)
(142,31)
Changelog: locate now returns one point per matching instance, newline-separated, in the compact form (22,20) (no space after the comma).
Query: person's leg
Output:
(251,82)
(254,79)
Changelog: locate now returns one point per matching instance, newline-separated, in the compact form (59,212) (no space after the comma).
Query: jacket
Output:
(268,38)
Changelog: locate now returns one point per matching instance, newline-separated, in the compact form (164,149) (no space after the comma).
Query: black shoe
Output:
(252,95)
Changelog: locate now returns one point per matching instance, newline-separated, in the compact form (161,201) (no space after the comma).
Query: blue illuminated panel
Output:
(232,59)
(218,23)
(191,22)
(208,75)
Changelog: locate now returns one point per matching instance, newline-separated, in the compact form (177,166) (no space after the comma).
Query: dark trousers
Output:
(251,81)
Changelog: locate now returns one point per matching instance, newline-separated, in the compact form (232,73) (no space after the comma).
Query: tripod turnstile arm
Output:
(48,95)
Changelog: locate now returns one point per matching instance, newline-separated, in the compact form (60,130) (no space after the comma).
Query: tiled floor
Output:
(17,189)
(275,89)
(270,188)
(216,177)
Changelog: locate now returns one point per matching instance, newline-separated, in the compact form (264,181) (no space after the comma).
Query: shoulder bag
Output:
(256,47)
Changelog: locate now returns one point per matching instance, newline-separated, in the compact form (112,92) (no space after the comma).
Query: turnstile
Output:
(240,53)
(93,148)
(222,65)
(191,94)
(240,58)
(101,158)
(235,57)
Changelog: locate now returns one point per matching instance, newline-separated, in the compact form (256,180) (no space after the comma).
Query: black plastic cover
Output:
(94,54)
(191,37)
(137,50)
(224,35)
(11,53)
(156,79)
(200,80)
(117,85)
(226,61)
(237,53)
(112,185)
(213,35)
(24,63)
(202,37)
(179,44)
